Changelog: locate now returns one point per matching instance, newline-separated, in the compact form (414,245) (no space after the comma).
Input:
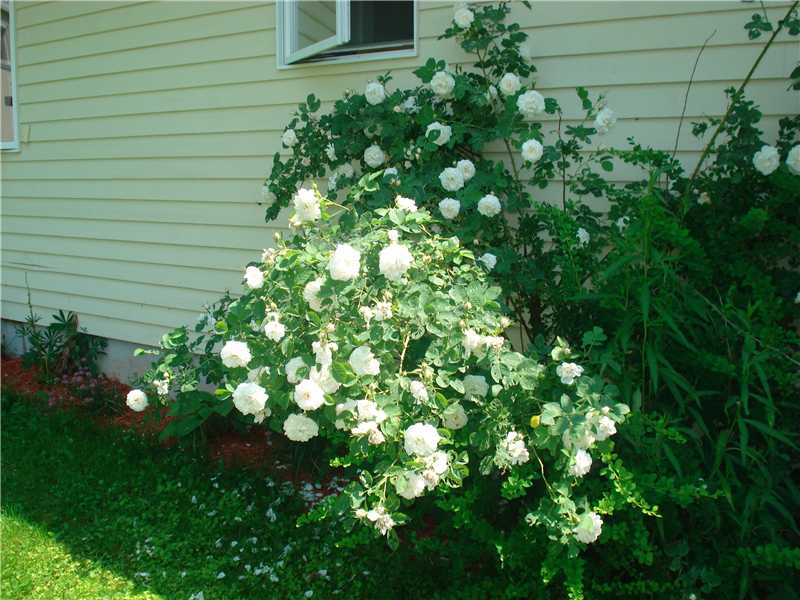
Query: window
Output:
(8,125)
(310,31)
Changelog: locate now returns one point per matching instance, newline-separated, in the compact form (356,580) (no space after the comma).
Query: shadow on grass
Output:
(135,520)
(160,518)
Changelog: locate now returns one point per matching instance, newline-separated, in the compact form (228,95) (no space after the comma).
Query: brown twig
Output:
(688,88)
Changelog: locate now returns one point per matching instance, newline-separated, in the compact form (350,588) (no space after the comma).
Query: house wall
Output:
(147,130)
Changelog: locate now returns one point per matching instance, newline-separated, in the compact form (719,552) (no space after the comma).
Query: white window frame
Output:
(285,20)
(12,50)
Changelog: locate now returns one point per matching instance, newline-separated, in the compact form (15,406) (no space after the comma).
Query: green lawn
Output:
(91,513)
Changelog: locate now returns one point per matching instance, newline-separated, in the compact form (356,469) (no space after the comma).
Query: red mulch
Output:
(257,448)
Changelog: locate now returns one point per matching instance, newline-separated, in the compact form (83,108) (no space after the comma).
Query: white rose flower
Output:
(445,132)
(367,410)
(793,160)
(394,260)
(292,367)
(306,206)
(409,485)
(421,439)
(366,312)
(364,362)
(410,105)
(162,386)
(323,378)
(766,160)
(253,278)
(274,329)
(330,152)
(370,429)
(605,428)
(289,138)
(375,93)
(374,156)
(532,150)
(442,84)
(467,168)
(589,528)
(449,208)
(383,311)
(622,223)
(308,395)
(509,84)
(136,400)
(530,104)
(489,260)
(604,120)
(418,390)
(569,372)
(491,94)
(463,17)
(583,236)
(475,386)
(581,464)
(300,428)
(494,341)
(454,416)
(473,342)
(489,206)
(404,203)
(383,521)
(451,179)
(323,352)
(235,354)
(250,398)
(511,451)
(345,263)
(310,294)
(345,170)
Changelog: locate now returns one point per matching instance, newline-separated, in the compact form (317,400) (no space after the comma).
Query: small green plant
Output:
(61,347)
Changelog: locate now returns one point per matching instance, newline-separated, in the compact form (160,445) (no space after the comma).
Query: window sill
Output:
(354,58)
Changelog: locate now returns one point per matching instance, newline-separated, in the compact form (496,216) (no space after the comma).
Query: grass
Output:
(94,513)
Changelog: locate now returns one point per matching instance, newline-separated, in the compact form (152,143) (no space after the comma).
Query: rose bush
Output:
(391,346)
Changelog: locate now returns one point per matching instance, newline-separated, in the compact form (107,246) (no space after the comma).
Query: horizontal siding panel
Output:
(208,190)
(156,168)
(137,210)
(138,293)
(553,14)
(153,254)
(56,12)
(212,281)
(593,71)
(120,19)
(91,305)
(116,328)
(250,239)
(648,131)
(226,47)
(640,101)
(192,27)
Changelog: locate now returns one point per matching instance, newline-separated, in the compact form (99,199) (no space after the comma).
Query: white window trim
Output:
(12,50)
(280,21)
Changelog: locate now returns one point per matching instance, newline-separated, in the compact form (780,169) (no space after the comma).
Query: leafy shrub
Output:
(385,338)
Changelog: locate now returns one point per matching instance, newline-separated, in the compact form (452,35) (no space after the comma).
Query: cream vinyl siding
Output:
(147,128)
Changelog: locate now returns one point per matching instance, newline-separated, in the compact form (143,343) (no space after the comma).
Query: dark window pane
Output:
(380,22)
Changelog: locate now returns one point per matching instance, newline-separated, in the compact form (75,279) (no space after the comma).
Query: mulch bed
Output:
(257,449)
